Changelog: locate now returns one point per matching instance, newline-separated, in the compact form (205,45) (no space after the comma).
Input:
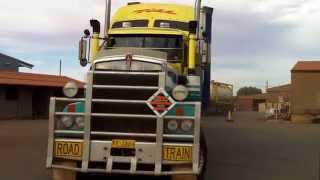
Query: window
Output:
(147,41)
(11,93)
(172,24)
(129,24)
(172,45)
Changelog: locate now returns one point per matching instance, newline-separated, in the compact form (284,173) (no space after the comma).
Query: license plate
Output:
(68,150)
(121,143)
(177,153)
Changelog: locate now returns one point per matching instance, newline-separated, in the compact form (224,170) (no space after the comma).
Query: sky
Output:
(254,41)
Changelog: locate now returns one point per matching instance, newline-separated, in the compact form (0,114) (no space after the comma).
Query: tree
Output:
(245,91)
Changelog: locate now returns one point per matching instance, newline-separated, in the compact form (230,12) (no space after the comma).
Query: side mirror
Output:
(86,33)
(193,25)
(83,52)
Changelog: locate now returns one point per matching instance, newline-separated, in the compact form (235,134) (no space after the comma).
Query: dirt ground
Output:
(248,149)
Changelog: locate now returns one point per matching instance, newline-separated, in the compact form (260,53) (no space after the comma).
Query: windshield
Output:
(171,44)
(144,41)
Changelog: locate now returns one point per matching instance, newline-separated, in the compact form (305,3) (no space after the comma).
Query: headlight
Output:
(67,121)
(172,125)
(180,93)
(70,89)
(187,125)
(79,121)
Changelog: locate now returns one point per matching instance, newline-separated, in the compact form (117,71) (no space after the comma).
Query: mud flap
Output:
(62,174)
(183,177)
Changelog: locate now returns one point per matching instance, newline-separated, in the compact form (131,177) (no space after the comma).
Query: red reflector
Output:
(71,108)
(179,111)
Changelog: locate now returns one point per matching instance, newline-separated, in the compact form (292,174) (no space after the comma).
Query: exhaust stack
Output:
(107,18)
(95,24)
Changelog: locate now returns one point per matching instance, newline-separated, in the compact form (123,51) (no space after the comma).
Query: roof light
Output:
(165,25)
(133,3)
(126,24)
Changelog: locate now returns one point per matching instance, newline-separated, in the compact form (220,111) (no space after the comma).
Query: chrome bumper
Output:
(146,152)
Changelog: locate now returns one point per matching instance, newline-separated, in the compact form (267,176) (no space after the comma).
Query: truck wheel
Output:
(203,163)
(62,174)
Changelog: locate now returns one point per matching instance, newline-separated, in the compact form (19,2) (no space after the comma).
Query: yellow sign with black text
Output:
(68,150)
(177,153)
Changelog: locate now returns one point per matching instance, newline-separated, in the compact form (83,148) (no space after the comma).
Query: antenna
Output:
(60,67)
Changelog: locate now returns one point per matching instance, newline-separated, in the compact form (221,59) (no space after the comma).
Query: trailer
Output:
(221,98)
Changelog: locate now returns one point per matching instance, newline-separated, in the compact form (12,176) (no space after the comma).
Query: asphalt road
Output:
(247,149)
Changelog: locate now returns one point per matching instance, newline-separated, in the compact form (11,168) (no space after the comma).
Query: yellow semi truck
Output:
(148,84)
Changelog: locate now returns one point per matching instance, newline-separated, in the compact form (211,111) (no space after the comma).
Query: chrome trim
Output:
(51,134)
(135,57)
(148,135)
(73,132)
(159,133)
(196,140)
(179,117)
(126,73)
(153,149)
(125,87)
(69,114)
(87,124)
(123,134)
(70,99)
(123,115)
(119,101)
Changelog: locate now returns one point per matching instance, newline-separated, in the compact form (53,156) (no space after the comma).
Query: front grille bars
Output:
(86,134)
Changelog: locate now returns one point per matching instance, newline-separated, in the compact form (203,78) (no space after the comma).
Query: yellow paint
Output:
(192,52)
(177,67)
(153,11)
(122,143)
(145,30)
(95,45)
(177,153)
(68,150)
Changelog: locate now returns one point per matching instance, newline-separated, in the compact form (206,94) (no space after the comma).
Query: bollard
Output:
(229,117)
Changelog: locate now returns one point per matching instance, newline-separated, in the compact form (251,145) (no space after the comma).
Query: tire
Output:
(203,162)
(62,174)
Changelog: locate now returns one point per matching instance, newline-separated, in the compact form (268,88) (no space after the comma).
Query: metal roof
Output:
(29,79)
(5,59)
(282,88)
(306,66)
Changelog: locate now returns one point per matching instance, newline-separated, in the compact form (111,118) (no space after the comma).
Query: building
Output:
(27,95)
(305,78)
(9,63)
(273,97)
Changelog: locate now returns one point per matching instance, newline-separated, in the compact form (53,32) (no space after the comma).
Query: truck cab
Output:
(145,91)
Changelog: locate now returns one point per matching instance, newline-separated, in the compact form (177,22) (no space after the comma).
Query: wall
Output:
(244,104)
(9,67)
(305,92)
(8,108)
(24,103)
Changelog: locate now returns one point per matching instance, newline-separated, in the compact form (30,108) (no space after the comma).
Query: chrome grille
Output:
(123,86)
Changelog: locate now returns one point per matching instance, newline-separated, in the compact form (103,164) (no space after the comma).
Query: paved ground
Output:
(244,150)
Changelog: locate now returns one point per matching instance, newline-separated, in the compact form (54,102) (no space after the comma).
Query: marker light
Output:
(164,25)
(172,125)
(79,121)
(67,121)
(126,24)
(187,125)
(180,93)
(70,89)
